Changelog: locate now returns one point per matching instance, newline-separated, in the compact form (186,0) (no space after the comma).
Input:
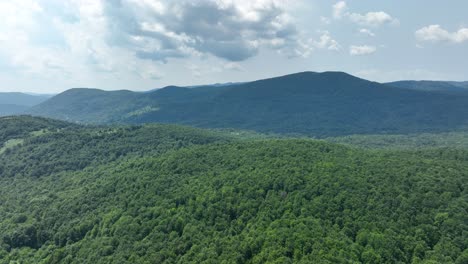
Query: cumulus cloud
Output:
(373,19)
(232,30)
(326,42)
(61,40)
(369,19)
(84,38)
(436,33)
(362,50)
(367,32)
(339,9)
(18,19)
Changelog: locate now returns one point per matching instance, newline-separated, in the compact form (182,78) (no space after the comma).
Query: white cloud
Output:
(83,39)
(372,19)
(436,33)
(305,48)
(369,19)
(227,29)
(362,50)
(367,32)
(326,42)
(65,42)
(339,9)
(17,25)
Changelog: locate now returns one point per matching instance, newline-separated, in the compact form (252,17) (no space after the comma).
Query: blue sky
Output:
(47,46)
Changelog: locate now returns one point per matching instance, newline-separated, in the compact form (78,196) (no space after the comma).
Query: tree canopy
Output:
(170,194)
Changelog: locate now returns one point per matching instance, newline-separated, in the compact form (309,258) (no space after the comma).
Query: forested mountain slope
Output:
(170,194)
(37,146)
(313,104)
(88,105)
(452,140)
(20,127)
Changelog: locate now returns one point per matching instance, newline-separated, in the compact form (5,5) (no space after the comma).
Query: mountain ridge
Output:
(431,86)
(308,103)
(12,103)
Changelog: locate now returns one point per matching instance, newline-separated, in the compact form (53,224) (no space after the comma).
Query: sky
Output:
(48,46)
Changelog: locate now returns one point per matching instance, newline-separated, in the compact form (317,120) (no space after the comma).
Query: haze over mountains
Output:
(307,103)
(441,86)
(15,103)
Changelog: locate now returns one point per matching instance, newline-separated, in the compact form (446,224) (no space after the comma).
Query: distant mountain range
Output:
(308,103)
(16,103)
(432,86)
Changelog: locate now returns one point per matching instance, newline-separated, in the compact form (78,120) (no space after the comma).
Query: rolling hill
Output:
(16,103)
(313,104)
(89,105)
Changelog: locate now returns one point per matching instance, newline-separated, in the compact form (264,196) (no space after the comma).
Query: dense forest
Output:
(172,194)
(452,140)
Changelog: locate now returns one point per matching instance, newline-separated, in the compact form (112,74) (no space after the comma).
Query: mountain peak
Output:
(310,75)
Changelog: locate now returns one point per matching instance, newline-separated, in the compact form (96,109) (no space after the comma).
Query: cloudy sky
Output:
(48,46)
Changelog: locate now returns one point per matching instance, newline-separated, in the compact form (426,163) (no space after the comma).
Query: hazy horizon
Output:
(189,86)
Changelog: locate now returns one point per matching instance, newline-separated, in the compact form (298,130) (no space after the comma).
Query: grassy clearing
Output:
(11,144)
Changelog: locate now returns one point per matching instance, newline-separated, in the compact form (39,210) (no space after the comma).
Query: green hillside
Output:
(313,104)
(88,105)
(170,194)
(452,140)
(49,146)
(20,127)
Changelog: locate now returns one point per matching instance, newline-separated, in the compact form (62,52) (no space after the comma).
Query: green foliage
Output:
(19,127)
(183,195)
(453,140)
(75,148)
